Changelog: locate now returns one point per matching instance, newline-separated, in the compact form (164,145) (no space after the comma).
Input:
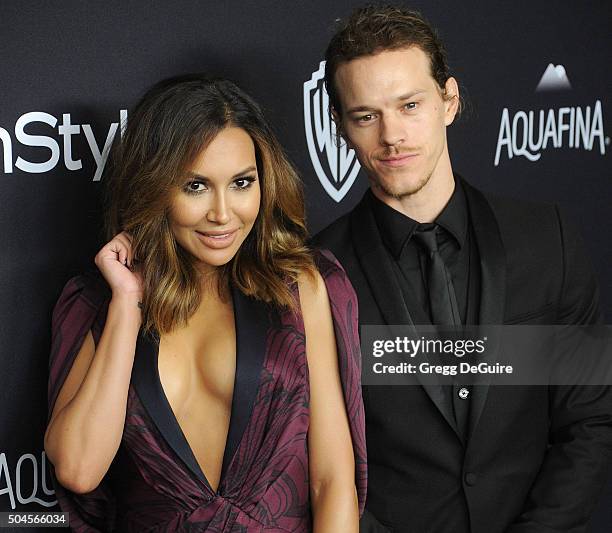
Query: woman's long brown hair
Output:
(170,126)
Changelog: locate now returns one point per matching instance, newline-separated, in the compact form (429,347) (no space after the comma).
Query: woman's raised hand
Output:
(116,262)
(88,418)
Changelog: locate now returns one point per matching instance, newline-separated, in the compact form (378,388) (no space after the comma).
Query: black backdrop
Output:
(67,70)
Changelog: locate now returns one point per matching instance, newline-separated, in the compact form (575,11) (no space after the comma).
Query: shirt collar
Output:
(454,216)
(397,229)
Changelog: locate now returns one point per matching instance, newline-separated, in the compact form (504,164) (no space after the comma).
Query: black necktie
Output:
(444,312)
(442,300)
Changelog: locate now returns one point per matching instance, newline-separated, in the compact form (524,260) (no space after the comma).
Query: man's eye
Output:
(365,118)
(410,105)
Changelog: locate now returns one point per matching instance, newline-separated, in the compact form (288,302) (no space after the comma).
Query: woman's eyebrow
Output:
(201,177)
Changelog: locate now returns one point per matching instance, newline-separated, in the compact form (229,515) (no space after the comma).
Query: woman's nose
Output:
(219,211)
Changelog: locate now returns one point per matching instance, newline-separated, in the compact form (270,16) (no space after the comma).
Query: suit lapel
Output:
(379,272)
(492,284)
(377,266)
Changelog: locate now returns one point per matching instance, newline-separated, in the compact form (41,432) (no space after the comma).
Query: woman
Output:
(207,378)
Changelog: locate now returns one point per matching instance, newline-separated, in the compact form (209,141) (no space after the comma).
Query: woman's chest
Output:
(195,375)
(255,384)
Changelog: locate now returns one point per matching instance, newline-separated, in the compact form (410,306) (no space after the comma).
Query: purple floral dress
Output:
(155,483)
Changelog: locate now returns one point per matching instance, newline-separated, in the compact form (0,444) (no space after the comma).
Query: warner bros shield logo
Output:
(335,164)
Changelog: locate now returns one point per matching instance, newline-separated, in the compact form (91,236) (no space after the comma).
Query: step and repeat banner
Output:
(536,77)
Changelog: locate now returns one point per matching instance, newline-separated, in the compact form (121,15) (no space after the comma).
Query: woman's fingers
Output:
(118,251)
(124,247)
(127,238)
(118,248)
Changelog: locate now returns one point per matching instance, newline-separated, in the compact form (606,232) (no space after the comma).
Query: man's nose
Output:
(391,130)
(219,211)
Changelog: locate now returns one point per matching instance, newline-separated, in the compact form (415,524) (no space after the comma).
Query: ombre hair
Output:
(173,122)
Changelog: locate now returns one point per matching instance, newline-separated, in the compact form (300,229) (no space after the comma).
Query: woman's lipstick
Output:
(217,239)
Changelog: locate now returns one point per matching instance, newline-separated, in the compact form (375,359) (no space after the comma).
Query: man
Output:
(423,246)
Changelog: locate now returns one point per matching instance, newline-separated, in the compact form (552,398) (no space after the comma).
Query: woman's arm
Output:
(331,458)
(86,425)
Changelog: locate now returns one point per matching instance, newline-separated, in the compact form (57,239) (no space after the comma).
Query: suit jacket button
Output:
(470,479)
(463,393)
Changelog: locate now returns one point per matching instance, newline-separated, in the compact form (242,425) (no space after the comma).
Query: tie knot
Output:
(426,236)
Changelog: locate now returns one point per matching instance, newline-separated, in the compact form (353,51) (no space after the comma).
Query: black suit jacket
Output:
(536,457)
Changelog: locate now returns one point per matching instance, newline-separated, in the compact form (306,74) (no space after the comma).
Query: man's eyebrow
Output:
(411,94)
(406,96)
(201,177)
(359,109)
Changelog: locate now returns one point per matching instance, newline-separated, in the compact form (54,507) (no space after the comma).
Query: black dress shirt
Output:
(455,244)
(457,247)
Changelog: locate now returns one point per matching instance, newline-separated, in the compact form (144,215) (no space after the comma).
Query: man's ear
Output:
(451,100)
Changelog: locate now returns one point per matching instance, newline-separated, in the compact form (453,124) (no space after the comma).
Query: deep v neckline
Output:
(251,324)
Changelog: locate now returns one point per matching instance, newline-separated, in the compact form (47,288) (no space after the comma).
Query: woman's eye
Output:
(195,186)
(410,105)
(244,183)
